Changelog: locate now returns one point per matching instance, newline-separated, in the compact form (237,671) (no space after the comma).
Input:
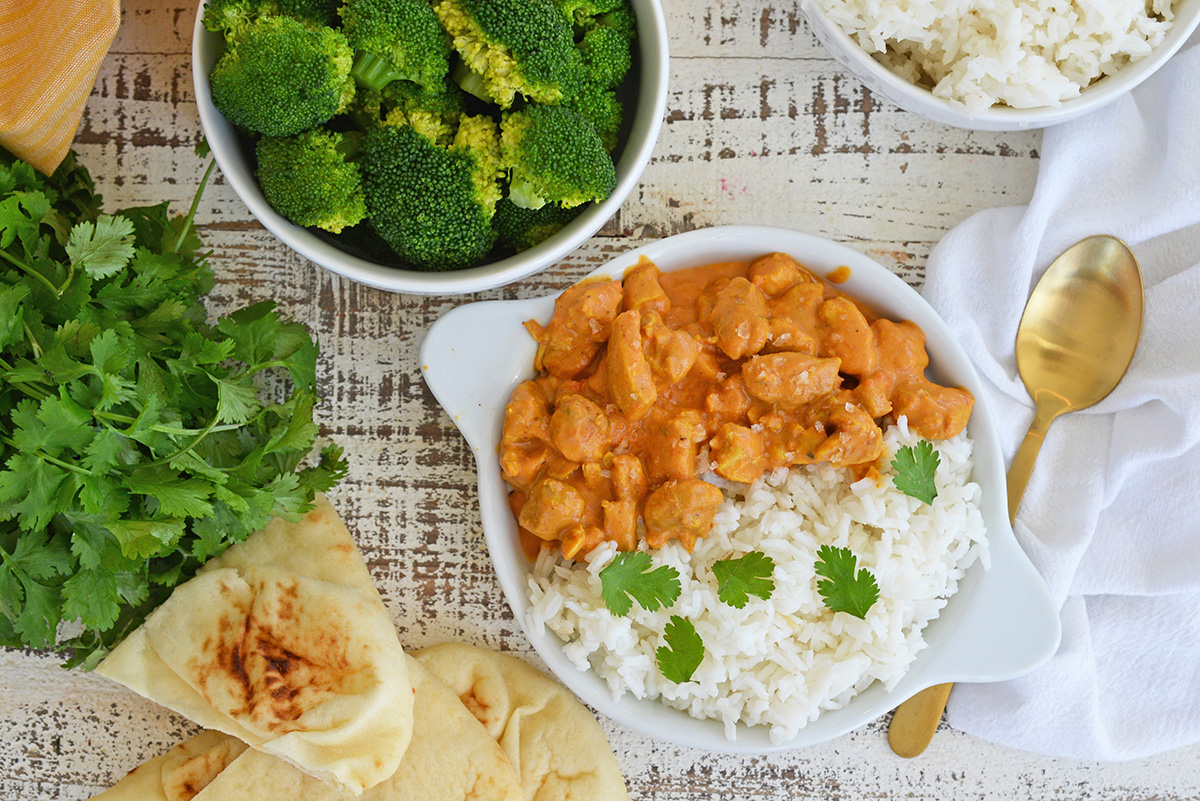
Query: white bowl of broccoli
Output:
(436,148)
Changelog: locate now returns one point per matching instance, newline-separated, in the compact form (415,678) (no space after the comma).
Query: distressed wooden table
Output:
(762,126)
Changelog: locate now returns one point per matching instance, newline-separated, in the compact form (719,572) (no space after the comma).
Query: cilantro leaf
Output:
(683,653)
(845,588)
(628,578)
(101,248)
(90,596)
(915,468)
(738,579)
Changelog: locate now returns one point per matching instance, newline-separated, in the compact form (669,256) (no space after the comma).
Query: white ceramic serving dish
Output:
(918,100)
(631,158)
(1001,623)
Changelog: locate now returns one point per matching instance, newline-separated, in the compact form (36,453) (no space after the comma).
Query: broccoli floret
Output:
(621,19)
(282,77)
(606,56)
(521,229)
(445,102)
(233,17)
(433,203)
(582,13)
(554,155)
(395,40)
(602,110)
(511,47)
(310,178)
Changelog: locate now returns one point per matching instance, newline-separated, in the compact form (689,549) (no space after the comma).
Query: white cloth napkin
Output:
(1111,516)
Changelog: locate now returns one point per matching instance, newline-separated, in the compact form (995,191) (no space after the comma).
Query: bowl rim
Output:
(650,110)
(922,101)
(464,353)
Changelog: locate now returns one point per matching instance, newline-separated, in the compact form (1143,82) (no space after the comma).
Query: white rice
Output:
(1020,53)
(779,662)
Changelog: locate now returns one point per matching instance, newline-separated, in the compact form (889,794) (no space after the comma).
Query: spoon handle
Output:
(1049,407)
(916,719)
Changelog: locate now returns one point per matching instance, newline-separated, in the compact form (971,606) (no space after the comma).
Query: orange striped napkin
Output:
(50,52)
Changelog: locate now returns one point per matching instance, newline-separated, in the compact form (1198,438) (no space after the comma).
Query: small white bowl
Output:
(918,100)
(1001,623)
(631,158)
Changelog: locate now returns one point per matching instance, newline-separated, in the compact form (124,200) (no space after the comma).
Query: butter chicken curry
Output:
(751,367)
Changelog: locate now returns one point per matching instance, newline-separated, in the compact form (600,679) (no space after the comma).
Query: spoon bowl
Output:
(1075,341)
(1082,323)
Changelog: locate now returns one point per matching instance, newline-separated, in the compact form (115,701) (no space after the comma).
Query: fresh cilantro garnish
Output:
(845,588)
(914,468)
(628,578)
(683,653)
(136,439)
(738,579)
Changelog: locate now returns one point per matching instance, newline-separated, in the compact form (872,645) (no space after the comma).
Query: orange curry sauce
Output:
(750,366)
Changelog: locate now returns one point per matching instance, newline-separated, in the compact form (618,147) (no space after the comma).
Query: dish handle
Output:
(471,362)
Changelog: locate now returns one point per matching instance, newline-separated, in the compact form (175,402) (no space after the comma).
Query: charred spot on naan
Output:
(271,662)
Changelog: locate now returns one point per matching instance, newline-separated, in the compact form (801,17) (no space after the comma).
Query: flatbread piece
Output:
(284,643)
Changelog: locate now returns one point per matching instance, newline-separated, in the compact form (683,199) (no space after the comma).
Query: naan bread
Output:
(557,747)
(181,773)
(451,758)
(284,643)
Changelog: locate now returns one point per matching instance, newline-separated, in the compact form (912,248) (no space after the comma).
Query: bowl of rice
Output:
(1002,66)
(958,599)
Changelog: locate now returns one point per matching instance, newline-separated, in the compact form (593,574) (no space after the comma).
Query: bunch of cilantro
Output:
(136,439)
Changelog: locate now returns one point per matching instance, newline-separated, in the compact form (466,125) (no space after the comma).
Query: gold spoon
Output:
(1074,343)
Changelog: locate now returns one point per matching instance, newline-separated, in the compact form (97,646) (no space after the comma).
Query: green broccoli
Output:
(511,47)
(395,40)
(521,229)
(282,77)
(602,110)
(606,56)
(311,178)
(412,100)
(554,155)
(233,17)
(433,202)
(582,14)
(621,19)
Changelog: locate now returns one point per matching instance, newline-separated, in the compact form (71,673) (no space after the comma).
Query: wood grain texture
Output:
(762,126)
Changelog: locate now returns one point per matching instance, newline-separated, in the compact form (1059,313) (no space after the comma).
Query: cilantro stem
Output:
(33,343)
(185,229)
(204,432)
(45,457)
(31,272)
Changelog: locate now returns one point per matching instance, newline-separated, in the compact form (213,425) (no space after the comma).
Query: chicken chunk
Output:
(739,319)
(579,429)
(671,353)
(523,450)
(629,378)
(681,510)
(642,291)
(739,453)
(673,446)
(789,380)
(582,320)
(855,439)
(553,507)
(776,273)
(933,411)
(846,335)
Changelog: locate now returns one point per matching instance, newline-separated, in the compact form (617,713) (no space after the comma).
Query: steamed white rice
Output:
(1020,53)
(779,662)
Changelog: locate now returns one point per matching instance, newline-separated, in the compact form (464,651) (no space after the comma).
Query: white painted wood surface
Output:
(762,126)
